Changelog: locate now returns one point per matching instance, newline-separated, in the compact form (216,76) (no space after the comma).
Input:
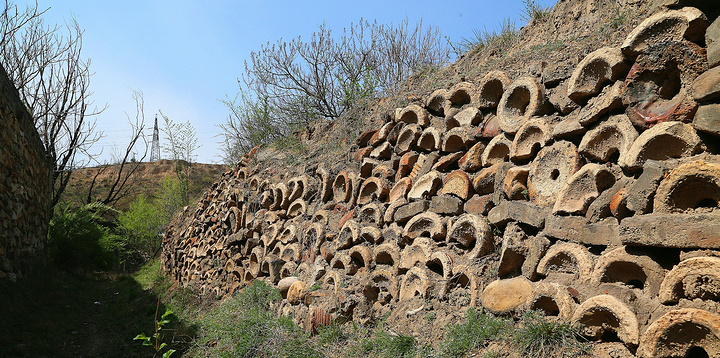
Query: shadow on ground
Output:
(55,314)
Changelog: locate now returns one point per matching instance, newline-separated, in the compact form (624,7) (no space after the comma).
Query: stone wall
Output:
(592,195)
(25,191)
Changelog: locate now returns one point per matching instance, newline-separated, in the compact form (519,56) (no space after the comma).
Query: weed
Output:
(330,335)
(474,333)
(386,345)
(531,11)
(244,326)
(540,337)
(500,40)
(315,286)
(492,272)
(430,316)
(258,296)
(621,17)
(155,341)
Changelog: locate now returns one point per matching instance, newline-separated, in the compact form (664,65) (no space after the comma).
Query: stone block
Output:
(521,212)
(504,296)
(479,204)
(409,210)
(578,230)
(499,187)
(707,86)
(446,205)
(700,231)
(600,208)
(639,196)
(712,39)
(707,119)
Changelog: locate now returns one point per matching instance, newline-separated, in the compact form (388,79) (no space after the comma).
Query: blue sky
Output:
(185,56)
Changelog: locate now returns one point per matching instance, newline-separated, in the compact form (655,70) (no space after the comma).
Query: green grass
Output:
(477,330)
(500,39)
(244,326)
(540,337)
(54,314)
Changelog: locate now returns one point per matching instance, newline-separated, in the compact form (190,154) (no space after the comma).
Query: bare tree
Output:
(181,145)
(325,76)
(289,84)
(249,124)
(124,171)
(45,64)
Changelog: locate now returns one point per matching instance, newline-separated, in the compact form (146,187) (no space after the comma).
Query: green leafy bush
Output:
(141,226)
(77,239)
(173,196)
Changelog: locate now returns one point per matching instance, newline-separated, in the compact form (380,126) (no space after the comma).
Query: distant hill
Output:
(148,179)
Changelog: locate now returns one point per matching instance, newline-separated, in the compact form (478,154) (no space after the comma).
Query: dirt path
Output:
(58,315)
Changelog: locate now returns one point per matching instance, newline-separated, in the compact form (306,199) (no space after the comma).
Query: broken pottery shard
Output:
(462,93)
(414,114)
(515,183)
(429,140)
(491,89)
(426,186)
(472,160)
(373,189)
(696,277)
(674,25)
(689,187)
(682,332)
(611,137)
(436,103)
(497,151)
(408,138)
(458,184)
(582,188)
(532,136)
(523,99)
(550,170)
(605,314)
(659,86)
(599,67)
(661,142)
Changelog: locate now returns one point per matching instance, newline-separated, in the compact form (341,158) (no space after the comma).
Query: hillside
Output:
(148,179)
(571,168)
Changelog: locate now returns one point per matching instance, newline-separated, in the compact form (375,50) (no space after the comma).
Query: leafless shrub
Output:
(45,64)
(289,84)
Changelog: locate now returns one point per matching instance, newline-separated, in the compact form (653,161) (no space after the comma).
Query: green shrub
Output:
(541,337)
(78,241)
(391,346)
(258,296)
(243,326)
(474,333)
(173,196)
(331,335)
(141,226)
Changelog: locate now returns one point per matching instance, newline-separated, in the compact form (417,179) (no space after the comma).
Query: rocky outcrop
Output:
(605,214)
